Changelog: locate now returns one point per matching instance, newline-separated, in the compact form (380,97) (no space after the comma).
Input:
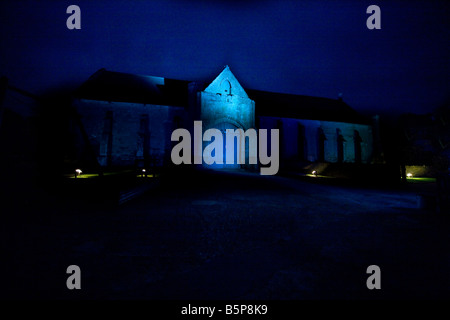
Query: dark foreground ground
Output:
(230,236)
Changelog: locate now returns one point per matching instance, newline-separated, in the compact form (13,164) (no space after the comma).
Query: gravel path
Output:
(234,236)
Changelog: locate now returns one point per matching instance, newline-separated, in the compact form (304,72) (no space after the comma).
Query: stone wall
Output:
(121,133)
(290,136)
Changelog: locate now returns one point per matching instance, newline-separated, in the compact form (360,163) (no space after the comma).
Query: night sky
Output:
(318,48)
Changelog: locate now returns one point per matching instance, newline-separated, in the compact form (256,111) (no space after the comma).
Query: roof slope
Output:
(284,105)
(124,87)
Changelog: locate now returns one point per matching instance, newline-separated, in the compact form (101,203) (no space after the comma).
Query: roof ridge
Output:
(294,94)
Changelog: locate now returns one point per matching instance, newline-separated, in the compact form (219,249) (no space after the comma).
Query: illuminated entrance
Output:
(235,165)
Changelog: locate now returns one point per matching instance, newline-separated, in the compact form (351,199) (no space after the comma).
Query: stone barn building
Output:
(127,120)
(315,129)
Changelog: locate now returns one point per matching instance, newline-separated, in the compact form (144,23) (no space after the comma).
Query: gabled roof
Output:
(226,83)
(284,105)
(124,87)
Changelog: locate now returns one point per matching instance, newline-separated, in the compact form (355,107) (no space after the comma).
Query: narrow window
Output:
(340,146)
(357,140)
(143,143)
(301,142)
(107,135)
(321,145)
(226,86)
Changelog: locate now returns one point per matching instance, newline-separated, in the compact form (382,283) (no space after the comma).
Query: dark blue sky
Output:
(317,48)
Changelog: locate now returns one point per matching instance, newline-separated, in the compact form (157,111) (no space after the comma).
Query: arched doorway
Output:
(223,126)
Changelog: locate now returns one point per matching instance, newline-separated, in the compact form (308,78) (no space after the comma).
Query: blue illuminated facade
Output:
(128,119)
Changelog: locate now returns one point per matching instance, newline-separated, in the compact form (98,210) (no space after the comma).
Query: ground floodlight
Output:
(78,172)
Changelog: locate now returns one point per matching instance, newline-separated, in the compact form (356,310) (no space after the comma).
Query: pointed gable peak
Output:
(226,84)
